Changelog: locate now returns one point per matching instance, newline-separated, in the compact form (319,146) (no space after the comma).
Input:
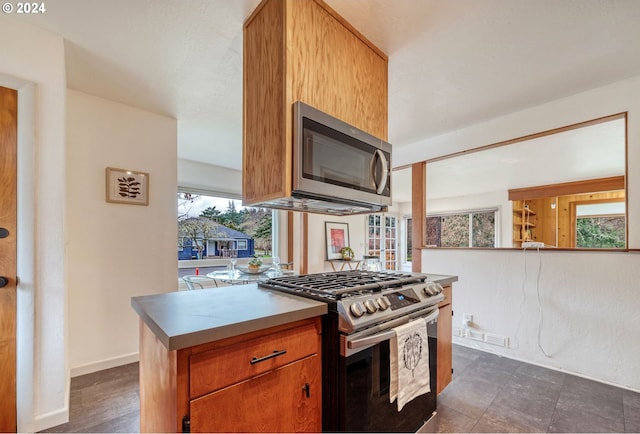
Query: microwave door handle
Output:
(379,186)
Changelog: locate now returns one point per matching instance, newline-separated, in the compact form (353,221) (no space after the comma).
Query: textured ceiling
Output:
(452,63)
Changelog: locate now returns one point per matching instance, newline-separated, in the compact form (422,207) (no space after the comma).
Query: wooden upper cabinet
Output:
(302,50)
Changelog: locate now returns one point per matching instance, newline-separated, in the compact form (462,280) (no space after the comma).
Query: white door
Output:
(382,239)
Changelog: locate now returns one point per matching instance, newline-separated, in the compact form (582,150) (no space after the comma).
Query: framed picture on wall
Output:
(127,186)
(337,236)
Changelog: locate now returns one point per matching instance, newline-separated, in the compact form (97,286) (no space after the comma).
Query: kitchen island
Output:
(226,359)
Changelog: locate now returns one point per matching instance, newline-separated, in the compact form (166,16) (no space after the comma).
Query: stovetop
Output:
(363,299)
(342,284)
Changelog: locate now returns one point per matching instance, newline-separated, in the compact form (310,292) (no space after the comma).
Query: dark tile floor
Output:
(495,394)
(488,394)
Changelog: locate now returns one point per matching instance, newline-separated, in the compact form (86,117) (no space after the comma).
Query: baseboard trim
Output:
(51,419)
(100,365)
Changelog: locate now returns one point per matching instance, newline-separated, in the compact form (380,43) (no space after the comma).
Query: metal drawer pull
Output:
(275,353)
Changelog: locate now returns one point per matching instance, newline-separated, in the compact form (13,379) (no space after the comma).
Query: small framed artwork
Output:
(337,235)
(127,186)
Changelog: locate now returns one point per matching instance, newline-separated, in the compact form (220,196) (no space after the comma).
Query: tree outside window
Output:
(205,226)
(469,229)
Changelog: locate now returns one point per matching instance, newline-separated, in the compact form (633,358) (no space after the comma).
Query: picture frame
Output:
(337,237)
(127,186)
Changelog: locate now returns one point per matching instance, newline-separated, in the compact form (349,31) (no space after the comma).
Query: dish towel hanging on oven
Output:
(409,362)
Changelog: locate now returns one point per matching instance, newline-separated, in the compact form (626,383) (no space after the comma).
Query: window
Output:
(468,229)
(600,226)
(212,227)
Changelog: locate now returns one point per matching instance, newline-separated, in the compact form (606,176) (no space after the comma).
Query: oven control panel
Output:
(402,298)
(367,310)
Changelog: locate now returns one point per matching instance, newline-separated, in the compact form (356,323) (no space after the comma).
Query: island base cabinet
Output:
(263,381)
(278,401)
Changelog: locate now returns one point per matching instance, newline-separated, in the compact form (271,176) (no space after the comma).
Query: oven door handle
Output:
(387,334)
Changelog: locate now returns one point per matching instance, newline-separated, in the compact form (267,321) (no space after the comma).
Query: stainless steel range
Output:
(364,307)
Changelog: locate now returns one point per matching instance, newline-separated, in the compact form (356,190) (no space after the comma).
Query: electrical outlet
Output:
(499,340)
(467,319)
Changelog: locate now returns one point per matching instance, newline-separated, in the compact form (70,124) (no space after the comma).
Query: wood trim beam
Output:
(304,254)
(531,136)
(289,236)
(418,213)
(578,187)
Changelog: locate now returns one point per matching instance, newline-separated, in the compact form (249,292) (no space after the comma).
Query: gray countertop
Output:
(442,279)
(186,318)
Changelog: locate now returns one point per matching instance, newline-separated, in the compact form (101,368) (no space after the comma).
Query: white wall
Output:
(590,298)
(317,240)
(115,251)
(589,305)
(32,61)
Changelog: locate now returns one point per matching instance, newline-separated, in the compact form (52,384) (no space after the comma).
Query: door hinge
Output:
(451,312)
(186,424)
(452,370)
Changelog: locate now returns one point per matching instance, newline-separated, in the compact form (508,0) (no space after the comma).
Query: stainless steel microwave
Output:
(335,161)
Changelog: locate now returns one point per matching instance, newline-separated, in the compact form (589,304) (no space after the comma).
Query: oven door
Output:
(366,386)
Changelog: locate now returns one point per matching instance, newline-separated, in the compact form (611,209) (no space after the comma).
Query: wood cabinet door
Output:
(288,399)
(8,207)
(445,339)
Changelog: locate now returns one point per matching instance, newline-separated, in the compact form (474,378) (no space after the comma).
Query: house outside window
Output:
(213,227)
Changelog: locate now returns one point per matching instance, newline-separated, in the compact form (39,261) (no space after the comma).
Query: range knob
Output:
(357,309)
(432,288)
(429,290)
(371,306)
(383,303)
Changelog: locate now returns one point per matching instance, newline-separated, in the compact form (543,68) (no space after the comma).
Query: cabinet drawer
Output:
(273,402)
(447,296)
(218,368)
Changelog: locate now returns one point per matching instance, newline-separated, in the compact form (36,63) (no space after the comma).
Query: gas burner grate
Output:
(337,285)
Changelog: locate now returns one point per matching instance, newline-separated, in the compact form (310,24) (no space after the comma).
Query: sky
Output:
(203,202)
